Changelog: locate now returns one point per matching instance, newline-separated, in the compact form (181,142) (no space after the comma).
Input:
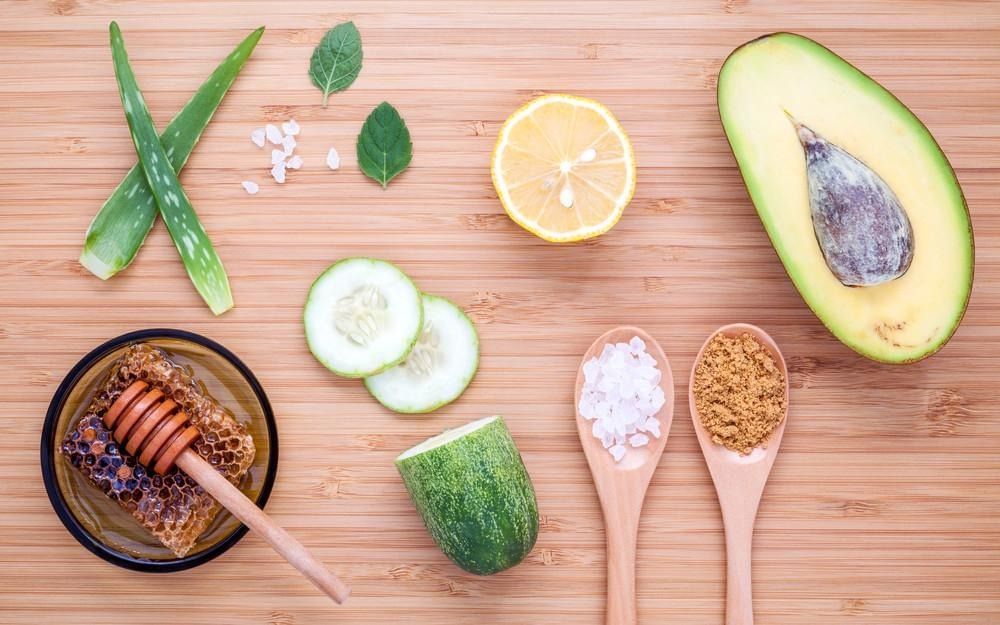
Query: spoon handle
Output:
(622,529)
(739,592)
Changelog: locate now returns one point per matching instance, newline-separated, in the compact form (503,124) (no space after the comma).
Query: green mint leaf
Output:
(384,147)
(336,61)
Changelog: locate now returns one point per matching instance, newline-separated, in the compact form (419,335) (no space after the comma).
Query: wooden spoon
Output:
(739,482)
(621,486)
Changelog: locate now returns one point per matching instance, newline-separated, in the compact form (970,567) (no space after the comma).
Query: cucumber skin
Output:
(476,499)
(203,265)
(472,375)
(357,375)
(121,226)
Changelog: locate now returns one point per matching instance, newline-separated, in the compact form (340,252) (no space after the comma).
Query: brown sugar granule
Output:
(739,392)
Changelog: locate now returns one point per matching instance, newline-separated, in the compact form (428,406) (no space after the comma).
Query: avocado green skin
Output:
(773,231)
(476,499)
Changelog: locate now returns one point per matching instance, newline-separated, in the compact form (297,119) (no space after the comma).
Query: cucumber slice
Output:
(440,367)
(362,316)
(474,495)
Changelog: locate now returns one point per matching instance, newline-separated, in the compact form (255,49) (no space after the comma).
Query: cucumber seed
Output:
(359,316)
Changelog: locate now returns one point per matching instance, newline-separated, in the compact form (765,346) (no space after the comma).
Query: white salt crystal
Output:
(333,159)
(622,395)
(294,163)
(652,426)
(602,410)
(273,134)
(617,360)
(638,440)
(637,345)
(289,144)
(257,136)
(291,127)
(251,187)
(617,452)
(278,172)
(277,156)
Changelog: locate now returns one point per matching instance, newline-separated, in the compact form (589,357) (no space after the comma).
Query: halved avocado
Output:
(768,80)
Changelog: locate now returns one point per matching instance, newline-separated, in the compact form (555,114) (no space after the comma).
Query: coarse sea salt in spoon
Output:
(621,395)
(621,486)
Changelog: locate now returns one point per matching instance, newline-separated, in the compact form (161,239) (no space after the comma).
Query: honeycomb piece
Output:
(173,507)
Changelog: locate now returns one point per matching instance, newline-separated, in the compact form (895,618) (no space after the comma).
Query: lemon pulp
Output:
(563,168)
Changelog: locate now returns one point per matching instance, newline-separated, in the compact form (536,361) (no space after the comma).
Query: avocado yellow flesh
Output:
(769,79)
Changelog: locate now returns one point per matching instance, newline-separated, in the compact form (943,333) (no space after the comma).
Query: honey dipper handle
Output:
(254,518)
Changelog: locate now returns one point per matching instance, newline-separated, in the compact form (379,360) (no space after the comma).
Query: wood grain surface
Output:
(884,505)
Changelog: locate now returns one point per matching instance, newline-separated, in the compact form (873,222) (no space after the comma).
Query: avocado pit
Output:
(860,224)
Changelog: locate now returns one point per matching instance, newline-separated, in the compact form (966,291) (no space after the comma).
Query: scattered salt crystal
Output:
(289,144)
(278,172)
(622,396)
(251,187)
(291,127)
(257,136)
(273,134)
(277,156)
(617,452)
(333,159)
(294,163)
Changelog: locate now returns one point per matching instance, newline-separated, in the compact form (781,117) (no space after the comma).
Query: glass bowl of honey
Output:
(90,488)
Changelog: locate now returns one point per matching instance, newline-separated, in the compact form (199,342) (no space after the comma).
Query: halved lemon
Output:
(563,168)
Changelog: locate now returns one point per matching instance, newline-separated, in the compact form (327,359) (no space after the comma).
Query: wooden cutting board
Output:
(884,505)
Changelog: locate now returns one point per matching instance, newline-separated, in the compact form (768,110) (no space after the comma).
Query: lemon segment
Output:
(563,168)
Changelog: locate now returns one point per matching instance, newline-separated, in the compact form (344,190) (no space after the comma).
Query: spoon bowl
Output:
(739,481)
(621,486)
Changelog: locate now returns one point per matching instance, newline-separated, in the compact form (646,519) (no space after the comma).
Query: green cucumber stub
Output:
(474,494)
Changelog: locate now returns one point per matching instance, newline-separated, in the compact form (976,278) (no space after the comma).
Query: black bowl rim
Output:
(48,457)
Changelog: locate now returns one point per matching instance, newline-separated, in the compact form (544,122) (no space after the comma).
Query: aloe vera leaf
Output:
(203,264)
(119,229)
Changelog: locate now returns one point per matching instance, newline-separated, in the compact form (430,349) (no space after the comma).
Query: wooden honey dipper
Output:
(154,429)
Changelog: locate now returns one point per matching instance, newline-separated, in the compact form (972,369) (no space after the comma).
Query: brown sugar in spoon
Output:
(159,434)
(621,486)
(739,481)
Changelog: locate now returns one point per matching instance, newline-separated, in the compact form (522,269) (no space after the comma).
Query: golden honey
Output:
(172,507)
